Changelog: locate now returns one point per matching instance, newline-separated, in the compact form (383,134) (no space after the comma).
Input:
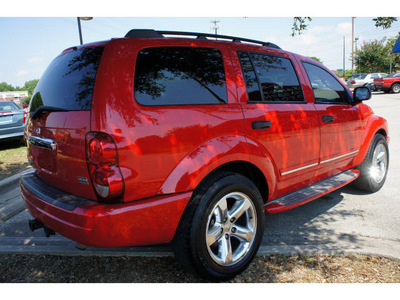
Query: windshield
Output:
(68,81)
(394,75)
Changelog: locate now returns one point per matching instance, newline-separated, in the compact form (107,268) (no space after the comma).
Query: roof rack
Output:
(151,33)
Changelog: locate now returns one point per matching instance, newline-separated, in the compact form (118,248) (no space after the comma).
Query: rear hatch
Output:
(59,119)
(11,116)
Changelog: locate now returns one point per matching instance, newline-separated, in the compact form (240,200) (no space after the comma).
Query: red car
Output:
(156,138)
(388,84)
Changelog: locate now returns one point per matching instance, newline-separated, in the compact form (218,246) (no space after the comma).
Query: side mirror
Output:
(361,94)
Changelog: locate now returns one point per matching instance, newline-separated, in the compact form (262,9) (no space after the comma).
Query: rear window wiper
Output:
(40,110)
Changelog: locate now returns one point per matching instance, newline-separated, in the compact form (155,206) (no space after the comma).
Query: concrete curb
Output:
(10,210)
(14,178)
(11,202)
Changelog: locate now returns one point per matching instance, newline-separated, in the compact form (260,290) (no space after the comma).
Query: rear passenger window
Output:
(274,76)
(180,75)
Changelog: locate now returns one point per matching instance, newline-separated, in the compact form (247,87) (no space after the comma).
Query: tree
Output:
(372,57)
(316,59)
(5,87)
(300,23)
(30,86)
(394,57)
(376,56)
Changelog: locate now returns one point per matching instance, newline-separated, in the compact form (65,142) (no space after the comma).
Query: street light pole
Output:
(80,28)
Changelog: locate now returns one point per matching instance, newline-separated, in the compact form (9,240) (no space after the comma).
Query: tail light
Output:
(25,117)
(353,82)
(102,160)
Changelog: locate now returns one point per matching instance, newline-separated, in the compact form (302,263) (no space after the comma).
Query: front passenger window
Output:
(325,87)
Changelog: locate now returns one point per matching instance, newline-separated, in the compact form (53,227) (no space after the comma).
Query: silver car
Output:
(12,120)
(364,79)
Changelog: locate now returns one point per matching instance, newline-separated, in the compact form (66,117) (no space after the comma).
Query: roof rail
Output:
(151,33)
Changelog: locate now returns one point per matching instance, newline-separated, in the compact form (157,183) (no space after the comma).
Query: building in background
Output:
(16,96)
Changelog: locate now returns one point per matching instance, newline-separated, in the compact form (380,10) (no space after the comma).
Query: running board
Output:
(311,192)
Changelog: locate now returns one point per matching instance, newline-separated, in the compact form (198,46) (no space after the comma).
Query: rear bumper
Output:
(12,132)
(142,222)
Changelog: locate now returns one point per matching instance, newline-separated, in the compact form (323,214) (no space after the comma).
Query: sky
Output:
(31,37)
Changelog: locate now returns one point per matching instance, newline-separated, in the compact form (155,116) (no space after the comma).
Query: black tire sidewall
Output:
(204,263)
(393,87)
(369,183)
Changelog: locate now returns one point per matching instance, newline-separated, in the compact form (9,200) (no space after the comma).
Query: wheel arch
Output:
(248,170)
(375,125)
(228,153)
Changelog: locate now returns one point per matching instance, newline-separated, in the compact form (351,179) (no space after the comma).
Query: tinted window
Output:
(277,78)
(252,87)
(68,81)
(325,87)
(180,75)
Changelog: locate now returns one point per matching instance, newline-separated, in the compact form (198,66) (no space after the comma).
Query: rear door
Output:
(278,118)
(60,119)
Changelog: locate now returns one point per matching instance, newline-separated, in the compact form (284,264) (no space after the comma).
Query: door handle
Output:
(42,143)
(328,119)
(259,125)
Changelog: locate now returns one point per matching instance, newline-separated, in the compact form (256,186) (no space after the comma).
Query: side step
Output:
(311,192)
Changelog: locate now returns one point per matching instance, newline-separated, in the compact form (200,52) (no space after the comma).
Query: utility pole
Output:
(352,46)
(215,26)
(344,58)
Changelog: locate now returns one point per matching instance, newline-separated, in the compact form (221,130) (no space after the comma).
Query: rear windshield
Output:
(8,106)
(68,81)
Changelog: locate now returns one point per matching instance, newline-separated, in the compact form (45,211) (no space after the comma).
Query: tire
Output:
(373,170)
(222,227)
(395,88)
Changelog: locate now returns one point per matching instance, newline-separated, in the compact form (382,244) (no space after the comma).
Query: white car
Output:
(364,79)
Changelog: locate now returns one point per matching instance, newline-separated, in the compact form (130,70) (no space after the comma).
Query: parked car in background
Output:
(364,80)
(389,84)
(12,121)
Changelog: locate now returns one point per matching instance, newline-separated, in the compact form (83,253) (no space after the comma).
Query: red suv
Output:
(157,138)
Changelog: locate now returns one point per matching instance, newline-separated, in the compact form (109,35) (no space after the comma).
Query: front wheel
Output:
(222,227)
(373,170)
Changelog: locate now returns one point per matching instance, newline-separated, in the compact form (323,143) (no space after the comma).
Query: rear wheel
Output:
(373,170)
(222,227)
(395,88)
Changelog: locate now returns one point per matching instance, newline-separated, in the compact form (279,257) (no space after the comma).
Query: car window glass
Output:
(325,87)
(7,106)
(277,77)
(180,75)
(252,86)
(68,81)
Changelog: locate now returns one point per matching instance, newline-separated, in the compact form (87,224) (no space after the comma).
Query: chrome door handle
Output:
(42,143)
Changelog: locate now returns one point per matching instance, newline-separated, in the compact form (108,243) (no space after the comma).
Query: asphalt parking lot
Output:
(344,221)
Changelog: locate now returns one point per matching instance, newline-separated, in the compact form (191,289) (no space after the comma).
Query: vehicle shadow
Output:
(11,144)
(313,224)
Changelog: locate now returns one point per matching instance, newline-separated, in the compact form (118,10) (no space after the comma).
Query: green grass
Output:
(13,158)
